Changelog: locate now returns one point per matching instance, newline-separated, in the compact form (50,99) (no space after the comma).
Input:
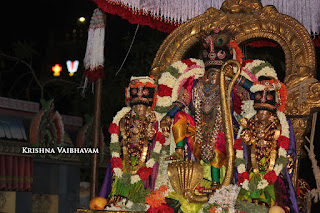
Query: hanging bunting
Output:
(166,15)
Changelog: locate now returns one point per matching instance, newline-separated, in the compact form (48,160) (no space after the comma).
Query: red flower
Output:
(116,162)
(244,63)
(93,74)
(242,177)
(160,138)
(189,62)
(161,209)
(238,144)
(163,188)
(144,172)
(213,209)
(164,90)
(298,190)
(114,128)
(284,142)
(237,102)
(271,177)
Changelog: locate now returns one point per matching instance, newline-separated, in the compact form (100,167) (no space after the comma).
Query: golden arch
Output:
(266,23)
(248,20)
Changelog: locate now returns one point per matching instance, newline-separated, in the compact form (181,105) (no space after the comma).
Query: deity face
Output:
(266,99)
(141,95)
(263,115)
(212,76)
(140,110)
(216,49)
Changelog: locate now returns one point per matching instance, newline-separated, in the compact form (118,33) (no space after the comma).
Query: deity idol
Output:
(135,145)
(266,142)
(202,129)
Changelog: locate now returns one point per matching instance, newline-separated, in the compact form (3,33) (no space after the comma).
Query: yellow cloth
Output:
(182,129)
(186,207)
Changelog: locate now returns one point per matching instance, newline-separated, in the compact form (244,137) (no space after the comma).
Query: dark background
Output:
(43,33)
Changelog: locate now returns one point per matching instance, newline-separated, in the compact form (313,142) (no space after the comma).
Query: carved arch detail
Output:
(265,23)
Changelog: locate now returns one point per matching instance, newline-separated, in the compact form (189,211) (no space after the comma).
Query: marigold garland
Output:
(235,46)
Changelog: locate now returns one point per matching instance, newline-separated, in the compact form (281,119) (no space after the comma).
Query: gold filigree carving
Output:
(303,98)
(264,22)
(184,177)
(300,128)
(241,6)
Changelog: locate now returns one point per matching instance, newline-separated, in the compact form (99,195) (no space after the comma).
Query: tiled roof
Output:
(12,128)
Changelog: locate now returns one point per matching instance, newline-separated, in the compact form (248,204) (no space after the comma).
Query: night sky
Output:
(32,19)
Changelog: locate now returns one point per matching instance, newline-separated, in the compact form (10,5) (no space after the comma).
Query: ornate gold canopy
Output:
(249,20)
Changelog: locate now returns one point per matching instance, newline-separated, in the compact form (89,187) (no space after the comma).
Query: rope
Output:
(125,58)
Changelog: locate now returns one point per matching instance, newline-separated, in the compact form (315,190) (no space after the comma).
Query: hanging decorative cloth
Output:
(94,58)
(166,15)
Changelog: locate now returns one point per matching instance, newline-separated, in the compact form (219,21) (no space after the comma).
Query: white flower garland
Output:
(196,73)
(267,71)
(167,79)
(260,87)
(164,101)
(241,168)
(116,120)
(224,199)
(174,83)
(115,139)
(143,79)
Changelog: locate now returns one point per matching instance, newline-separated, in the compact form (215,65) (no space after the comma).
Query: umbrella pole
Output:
(96,138)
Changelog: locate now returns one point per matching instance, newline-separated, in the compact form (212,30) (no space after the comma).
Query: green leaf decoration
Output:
(239,161)
(114,147)
(282,160)
(161,109)
(139,207)
(141,196)
(173,71)
(250,207)
(125,179)
(255,70)
(253,186)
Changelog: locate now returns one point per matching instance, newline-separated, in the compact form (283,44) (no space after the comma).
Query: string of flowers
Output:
(223,200)
(116,162)
(173,78)
(271,176)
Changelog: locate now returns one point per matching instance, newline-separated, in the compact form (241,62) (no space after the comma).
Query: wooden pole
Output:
(96,138)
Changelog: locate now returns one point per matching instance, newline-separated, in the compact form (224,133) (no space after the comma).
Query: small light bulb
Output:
(82,19)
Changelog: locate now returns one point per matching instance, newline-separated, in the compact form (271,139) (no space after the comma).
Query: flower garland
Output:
(271,176)
(173,78)
(252,69)
(239,55)
(223,200)
(116,162)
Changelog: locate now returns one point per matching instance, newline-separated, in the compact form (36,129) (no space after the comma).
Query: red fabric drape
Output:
(16,173)
(135,17)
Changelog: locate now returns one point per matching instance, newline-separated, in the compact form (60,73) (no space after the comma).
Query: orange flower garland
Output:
(239,54)
(157,198)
